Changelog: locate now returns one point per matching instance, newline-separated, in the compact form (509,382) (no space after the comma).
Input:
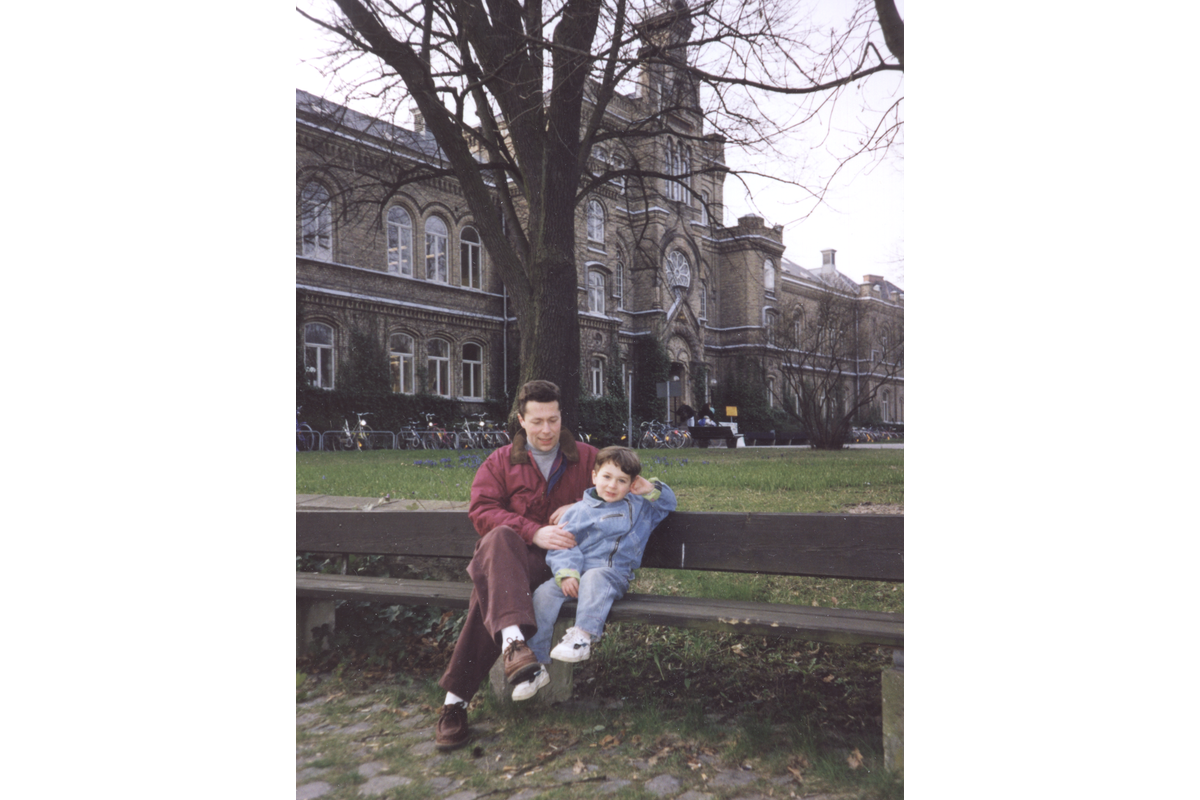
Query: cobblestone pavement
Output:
(376,742)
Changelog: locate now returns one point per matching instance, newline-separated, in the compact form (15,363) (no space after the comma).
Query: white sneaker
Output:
(526,690)
(575,646)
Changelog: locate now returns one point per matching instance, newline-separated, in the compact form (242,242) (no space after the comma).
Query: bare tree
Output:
(518,94)
(833,360)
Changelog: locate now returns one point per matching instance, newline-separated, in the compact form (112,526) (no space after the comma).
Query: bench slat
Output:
(842,626)
(859,546)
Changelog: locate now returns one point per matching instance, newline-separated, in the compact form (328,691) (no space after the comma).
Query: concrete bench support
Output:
(893,715)
(311,613)
(562,675)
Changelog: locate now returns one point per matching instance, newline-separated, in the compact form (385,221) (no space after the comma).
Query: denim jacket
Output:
(609,534)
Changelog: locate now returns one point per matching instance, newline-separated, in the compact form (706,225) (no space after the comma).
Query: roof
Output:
(340,119)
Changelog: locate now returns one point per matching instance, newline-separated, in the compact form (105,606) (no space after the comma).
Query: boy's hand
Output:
(570,587)
(641,486)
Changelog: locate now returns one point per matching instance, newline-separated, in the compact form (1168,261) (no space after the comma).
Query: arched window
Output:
(595,221)
(596,291)
(318,355)
(316,222)
(618,163)
(399,241)
(619,285)
(472,258)
(769,276)
(400,358)
(598,376)
(438,367)
(472,371)
(436,247)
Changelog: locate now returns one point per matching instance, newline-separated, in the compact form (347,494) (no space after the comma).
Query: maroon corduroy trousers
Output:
(505,572)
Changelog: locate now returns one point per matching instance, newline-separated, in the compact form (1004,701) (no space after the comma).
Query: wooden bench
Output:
(703,434)
(854,546)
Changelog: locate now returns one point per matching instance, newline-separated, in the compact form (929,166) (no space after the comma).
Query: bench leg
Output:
(562,675)
(893,715)
(311,613)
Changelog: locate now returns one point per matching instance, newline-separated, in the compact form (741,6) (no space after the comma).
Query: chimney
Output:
(872,279)
(827,259)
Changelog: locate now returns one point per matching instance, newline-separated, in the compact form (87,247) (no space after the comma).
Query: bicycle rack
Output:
(376,437)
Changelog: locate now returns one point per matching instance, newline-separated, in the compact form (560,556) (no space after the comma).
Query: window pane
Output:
(317,333)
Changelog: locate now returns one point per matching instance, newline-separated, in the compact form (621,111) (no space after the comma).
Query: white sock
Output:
(512,632)
(452,698)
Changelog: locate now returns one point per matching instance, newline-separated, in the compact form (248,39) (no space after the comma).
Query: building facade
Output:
(408,269)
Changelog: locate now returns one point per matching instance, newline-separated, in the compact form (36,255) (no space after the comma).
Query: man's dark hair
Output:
(625,459)
(538,392)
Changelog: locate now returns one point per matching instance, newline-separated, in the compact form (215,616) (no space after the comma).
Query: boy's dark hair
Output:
(625,459)
(538,392)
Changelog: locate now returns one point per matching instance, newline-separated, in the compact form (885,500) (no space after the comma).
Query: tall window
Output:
(703,300)
(618,163)
(771,392)
(619,285)
(316,223)
(436,247)
(771,324)
(704,208)
(883,406)
(318,355)
(769,276)
(472,370)
(472,259)
(596,291)
(400,359)
(598,376)
(399,241)
(438,367)
(595,221)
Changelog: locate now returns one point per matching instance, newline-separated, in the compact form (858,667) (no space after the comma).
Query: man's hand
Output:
(553,537)
(570,587)
(558,512)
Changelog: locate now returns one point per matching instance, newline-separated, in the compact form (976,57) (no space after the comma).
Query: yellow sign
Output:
(731,411)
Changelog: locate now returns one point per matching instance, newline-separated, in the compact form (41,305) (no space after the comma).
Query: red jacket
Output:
(509,488)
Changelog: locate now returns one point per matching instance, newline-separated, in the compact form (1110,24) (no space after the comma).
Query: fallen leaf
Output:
(579,767)
(828,678)
(799,775)
(855,760)
(815,603)
(693,765)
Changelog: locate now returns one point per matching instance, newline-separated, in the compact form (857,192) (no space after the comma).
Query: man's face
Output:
(611,483)
(542,423)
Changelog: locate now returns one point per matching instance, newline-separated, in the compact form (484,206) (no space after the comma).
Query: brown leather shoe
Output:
(520,664)
(452,730)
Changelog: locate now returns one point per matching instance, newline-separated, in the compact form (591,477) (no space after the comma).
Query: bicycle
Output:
(357,439)
(410,438)
(437,437)
(306,437)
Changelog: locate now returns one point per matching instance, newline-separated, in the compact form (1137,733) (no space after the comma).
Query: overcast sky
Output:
(863,216)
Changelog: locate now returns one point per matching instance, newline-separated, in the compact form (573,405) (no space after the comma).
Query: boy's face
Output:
(611,483)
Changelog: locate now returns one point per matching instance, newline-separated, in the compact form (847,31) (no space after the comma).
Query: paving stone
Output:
(382,783)
(307,774)
(408,722)
(468,795)
(694,795)
(526,794)
(426,748)
(316,701)
(440,783)
(613,786)
(376,708)
(361,700)
(358,727)
(662,785)
(733,778)
(371,768)
(311,790)
(304,720)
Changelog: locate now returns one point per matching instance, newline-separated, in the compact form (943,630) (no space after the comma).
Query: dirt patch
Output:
(875,508)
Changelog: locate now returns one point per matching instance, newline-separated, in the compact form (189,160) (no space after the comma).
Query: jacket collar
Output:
(566,445)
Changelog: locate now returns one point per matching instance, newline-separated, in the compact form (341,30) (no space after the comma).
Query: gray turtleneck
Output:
(544,461)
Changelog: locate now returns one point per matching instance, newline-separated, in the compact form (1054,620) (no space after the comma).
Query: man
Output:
(519,494)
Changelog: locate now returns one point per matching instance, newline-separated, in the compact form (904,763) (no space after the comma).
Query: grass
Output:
(746,479)
(694,701)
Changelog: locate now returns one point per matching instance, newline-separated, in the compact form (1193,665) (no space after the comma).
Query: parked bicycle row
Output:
(479,434)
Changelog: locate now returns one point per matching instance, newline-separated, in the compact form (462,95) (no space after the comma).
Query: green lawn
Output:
(748,479)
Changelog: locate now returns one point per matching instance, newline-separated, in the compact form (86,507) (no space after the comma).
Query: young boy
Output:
(611,525)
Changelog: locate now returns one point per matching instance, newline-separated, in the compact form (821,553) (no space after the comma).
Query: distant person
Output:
(518,499)
(611,525)
(686,412)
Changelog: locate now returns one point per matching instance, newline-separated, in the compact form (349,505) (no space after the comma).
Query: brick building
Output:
(653,260)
